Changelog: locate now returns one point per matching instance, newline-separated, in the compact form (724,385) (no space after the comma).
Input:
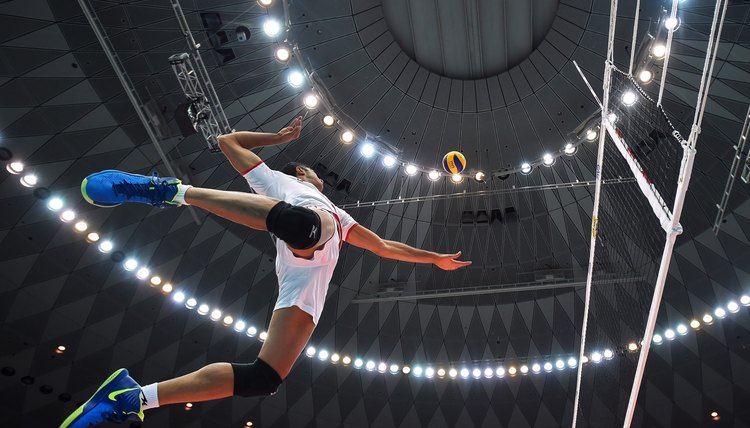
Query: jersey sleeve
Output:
(263,180)
(347,223)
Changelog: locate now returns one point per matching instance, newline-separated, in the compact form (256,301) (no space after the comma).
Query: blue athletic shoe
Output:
(118,399)
(111,188)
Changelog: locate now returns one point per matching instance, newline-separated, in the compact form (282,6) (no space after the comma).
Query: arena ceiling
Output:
(64,112)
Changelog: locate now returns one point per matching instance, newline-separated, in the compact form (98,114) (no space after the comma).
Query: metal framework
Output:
(739,151)
(205,110)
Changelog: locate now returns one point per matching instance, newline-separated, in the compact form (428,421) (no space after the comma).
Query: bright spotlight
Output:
(347,137)
(323,355)
(453,373)
(708,319)
(608,354)
(389,161)
(92,237)
(570,149)
(239,326)
(394,369)
(142,273)
(591,134)
(548,367)
(524,369)
(479,176)
(658,339)
(629,98)
(346,360)
(682,329)
(358,363)
(252,331)
(55,204)
(15,168)
(632,346)
(67,216)
(406,370)
(81,226)
(429,372)
(659,50)
(512,371)
(526,168)
(596,357)
(645,76)
(500,371)
(417,371)
(733,307)
(695,324)
(720,313)
(130,264)
(488,373)
(572,362)
(433,175)
(203,309)
(178,297)
(367,150)
(167,288)
(745,300)
(263,336)
(536,368)
(476,373)
(271,27)
(265,3)
(29,180)
(215,315)
(548,159)
(559,364)
(155,280)
(328,120)
(457,178)
(227,320)
(672,24)
(282,54)
(464,372)
(311,101)
(295,79)
(106,246)
(191,303)
(411,169)
(335,358)
(669,334)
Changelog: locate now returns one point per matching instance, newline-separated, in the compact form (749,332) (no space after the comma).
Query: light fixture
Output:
(367,150)
(130,264)
(249,424)
(323,355)
(227,320)
(263,336)
(500,371)
(559,364)
(203,309)
(669,334)
(178,297)
(671,23)
(682,329)
(264,3)
(167,288)
(526,168)
(629,98)
(251,331)
(295,79)
(548,367)
(239,326)
(453,373)
(142,273)
(282,54)
(55,204)
(645,76)
(433,175)
(733,307)
(695,324)
(632,346)
(464,372)
(745,300)
(572,362)
(406,370)
(106,246)
(15,168)
(155,280)
(536,368)
(335,358)
(411,169)
(92,237)
(584,359)
(512,371)
(310,351)
(346,360)
(347,137)
(188,406)
(548,159)
(457,178)
(715,416)
(476,373)
(658,339)
(60,349)
(358,363)
(479,176)
(417,371)
(659,50)
(596,357)
(328,120)
(191,303)
(81,226)
(570,149)
(612,118)
(708,319)
(429,372)
(720,313)
(67,216)
(29,180)
(389,161)
(608,354)
(311,101)
(271,27)
(524,369)
(591,134)
(394,369)
(215,315)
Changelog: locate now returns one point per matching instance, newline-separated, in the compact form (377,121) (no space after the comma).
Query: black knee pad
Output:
(297,226)
(256,379)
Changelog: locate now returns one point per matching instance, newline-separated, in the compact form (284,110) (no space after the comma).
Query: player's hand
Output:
(449,262)
(291,132)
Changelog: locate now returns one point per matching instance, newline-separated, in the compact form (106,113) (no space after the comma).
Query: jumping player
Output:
(308,231)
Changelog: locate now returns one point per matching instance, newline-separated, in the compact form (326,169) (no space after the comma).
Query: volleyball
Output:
(454,162)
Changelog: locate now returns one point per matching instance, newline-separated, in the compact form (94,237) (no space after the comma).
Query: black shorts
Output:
(299,227)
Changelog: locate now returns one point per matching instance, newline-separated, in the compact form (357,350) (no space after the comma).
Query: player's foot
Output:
(110,188)
(118,399)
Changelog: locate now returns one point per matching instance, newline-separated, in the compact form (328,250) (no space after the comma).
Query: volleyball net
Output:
(634,227)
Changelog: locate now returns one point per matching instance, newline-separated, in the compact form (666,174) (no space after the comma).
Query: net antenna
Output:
(640,148)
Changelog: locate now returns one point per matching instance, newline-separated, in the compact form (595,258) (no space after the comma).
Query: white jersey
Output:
(302,282)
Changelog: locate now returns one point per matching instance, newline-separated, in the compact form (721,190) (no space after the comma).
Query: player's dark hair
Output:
(291,168)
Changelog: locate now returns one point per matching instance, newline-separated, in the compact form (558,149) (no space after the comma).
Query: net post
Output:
(635,36)
(670,33)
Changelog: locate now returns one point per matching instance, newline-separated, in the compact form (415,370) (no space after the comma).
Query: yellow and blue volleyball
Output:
(454,162)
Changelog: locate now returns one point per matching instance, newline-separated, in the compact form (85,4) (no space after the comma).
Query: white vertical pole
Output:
(635,36)
(597,193)
(672,15)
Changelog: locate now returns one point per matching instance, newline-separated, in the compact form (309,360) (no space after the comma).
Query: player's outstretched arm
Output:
(362,237)
(237,146)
